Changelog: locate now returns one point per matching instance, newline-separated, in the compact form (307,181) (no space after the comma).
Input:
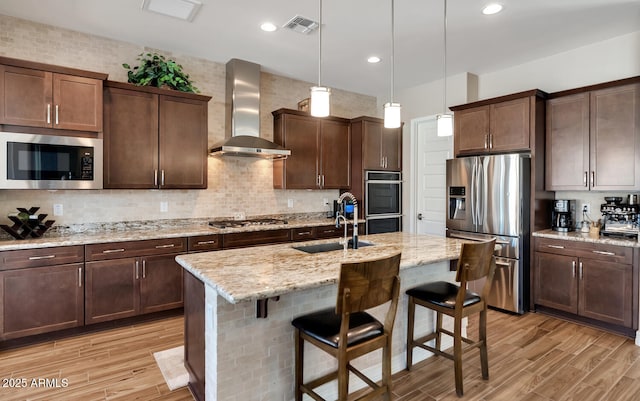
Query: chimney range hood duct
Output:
(242,120)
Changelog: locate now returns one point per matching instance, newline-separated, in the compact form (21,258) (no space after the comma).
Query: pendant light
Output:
(320,104)
(392,110)
(445,120)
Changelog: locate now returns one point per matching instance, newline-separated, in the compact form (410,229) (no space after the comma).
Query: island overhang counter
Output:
(250,358)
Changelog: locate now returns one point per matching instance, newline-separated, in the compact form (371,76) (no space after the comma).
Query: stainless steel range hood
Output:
(242,120)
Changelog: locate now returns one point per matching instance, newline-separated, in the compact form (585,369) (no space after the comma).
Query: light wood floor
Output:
(531,358)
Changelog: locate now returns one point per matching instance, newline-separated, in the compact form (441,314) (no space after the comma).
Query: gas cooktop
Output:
(244,223)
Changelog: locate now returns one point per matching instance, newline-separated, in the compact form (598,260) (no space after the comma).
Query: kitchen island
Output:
(251,358)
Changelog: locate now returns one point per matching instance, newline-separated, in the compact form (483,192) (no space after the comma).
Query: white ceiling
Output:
(352,30)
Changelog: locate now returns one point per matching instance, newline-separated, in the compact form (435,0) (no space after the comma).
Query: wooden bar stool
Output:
(347,332)
(476,261)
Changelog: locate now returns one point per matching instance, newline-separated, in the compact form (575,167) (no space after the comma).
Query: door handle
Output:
(419,216)
(584,179)
(573,268)
(57,112)
(580,271)
(48,113)
(490,141)
(593,179)
(137,270)
(486,141)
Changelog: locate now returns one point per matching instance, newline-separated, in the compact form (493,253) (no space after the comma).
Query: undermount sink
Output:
(331,246)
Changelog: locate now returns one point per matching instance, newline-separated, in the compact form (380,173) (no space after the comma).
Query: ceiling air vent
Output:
(301,24)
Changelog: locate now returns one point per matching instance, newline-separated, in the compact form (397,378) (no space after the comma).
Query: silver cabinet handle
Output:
(318,180)
(155,177)
(144,268)
(593,179)
(41,257)
(322,180)
(162,178)
(165,246)
(48,113)
(305,233)
(113,250)
(584,179)
(581,271)
(604,253)
(490,141)
(573,266)
(382,162)
(207,242)
(555,246)
(57,112)
(79,276)
(137,270)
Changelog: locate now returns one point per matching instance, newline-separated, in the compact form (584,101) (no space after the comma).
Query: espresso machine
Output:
(620,219)
(563,216)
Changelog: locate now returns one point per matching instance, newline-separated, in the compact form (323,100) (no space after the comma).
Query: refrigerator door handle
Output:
(472,190)
(479,184)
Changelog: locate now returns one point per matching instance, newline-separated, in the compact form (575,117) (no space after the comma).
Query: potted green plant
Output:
(156,70)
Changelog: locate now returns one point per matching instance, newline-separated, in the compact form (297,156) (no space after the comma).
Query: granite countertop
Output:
(262,272)
(586,237)
(143,230)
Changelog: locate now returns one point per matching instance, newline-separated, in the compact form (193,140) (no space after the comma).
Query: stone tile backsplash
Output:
(235,184)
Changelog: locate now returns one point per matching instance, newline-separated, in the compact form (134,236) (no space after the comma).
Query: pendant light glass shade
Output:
(445,124)
(392,115)
(320,104)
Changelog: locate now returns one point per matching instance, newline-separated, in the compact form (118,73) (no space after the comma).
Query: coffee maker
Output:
(563,215)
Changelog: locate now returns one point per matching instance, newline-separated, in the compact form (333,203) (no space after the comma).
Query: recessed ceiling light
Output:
(492,9)
(182,9)
(268,27)
(373,59)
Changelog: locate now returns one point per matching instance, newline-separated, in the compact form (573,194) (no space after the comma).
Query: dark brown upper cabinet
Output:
(378,148)
(154,138)
(593,138)
(50,97)
(320,151)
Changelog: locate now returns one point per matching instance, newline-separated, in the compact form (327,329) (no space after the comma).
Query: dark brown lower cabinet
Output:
(40,300)
(592,281)
(160,284)
(194,334)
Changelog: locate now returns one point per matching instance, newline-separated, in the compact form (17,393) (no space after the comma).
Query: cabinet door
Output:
(556,281)
(335,155)
(567,146)
(160,283)
(472,130)
(392,148)
(615,138)
(606,291)
(509,128)
(77,103)
(183,143)
(372,146)
(130,139)
(26,97)
(111,290)
(301,136)
(40,300)
(194,339)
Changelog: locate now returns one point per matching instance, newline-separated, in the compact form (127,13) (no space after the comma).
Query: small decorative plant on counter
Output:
(156,70)
(27,223)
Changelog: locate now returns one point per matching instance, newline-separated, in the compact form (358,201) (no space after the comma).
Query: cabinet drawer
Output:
(205,243)
(237,240)
(303,233)
(117,250)
(604,252)
(329,231)
(41,257)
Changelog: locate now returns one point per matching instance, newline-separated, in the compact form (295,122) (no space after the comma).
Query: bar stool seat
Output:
(347,331)
(442,293)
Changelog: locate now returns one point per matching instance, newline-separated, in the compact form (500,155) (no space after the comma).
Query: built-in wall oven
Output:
(383,201)
(30,161)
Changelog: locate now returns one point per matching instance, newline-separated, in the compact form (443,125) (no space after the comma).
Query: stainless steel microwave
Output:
(30,161)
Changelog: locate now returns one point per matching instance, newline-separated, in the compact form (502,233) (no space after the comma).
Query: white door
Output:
(431,153)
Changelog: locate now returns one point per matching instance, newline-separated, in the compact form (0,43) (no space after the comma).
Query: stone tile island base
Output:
(253,359)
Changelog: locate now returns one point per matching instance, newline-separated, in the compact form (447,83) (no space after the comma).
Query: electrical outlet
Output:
(289,202)
(325,202)
(57,209)
(239,216)
(586,208)
(164,207)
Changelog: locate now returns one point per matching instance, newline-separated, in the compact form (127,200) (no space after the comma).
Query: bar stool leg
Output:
(343,379)
(386,369)
(438,331)
(299,346)
(411,310)
(484,360)
(457,355)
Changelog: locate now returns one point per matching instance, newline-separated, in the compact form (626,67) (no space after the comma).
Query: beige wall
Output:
(235,184)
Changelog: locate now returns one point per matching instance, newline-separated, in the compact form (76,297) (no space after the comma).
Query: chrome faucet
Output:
(353,199)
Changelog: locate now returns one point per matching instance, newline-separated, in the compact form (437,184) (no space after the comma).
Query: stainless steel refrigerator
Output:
(489,196)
